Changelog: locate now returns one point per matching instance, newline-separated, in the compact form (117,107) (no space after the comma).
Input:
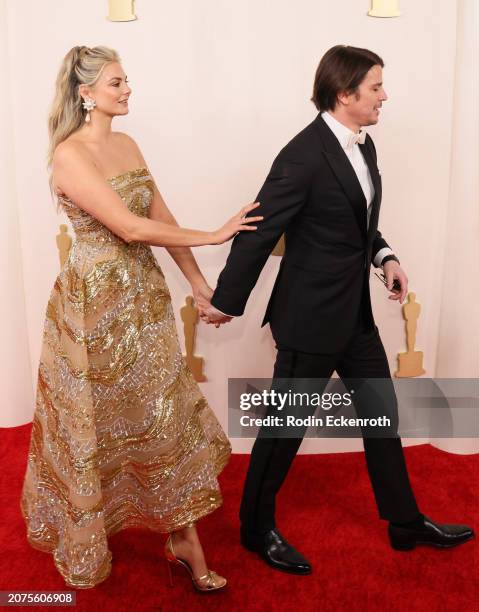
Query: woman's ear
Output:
(83,91)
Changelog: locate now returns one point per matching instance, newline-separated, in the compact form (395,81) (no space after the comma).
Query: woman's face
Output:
(111,91)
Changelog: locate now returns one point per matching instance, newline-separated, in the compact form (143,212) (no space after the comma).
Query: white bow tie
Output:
(356,139)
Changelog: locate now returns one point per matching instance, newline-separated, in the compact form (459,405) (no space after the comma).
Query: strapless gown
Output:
(122,435)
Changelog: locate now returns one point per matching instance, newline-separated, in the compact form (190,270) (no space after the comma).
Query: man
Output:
(324,193)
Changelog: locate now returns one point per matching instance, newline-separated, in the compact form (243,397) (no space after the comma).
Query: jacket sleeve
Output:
(282,197)
(380,248)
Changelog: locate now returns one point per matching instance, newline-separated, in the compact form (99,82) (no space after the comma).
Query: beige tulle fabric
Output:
(122,435)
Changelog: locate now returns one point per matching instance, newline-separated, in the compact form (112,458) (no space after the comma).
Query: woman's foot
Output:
(186,545)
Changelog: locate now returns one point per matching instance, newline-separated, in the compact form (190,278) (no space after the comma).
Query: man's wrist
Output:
(389,258)
(224,313)
(380,255)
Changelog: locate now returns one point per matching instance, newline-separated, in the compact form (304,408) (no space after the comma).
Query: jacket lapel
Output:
(344,172)
(366,150)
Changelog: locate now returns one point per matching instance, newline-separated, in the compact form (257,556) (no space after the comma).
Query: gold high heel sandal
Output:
(209,582)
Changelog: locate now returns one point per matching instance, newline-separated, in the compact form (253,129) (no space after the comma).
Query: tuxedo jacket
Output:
(313,196)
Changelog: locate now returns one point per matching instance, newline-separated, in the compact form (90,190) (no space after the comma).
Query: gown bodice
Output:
(135,188)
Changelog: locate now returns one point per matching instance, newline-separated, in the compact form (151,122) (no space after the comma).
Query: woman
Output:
(122,435)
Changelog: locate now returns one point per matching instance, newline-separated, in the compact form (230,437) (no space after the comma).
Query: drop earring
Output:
(89,104)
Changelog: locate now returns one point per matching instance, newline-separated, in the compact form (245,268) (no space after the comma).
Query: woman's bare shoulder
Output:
(126,141)
(70,158)
(68,148)
(130,144)
(124,136)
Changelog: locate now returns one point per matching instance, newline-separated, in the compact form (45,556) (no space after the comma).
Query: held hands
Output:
(202,293)
(208,313)
(393,271)
(238,223)
(213,315)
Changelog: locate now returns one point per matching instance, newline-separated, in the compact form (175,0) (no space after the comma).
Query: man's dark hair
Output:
(342,68)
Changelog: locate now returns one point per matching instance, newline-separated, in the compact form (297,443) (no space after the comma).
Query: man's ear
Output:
(342,97)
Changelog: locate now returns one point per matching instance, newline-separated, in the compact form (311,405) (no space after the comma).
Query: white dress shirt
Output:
(360,167)
(343,134)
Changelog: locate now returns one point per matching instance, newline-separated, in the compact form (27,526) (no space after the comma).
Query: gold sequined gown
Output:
(122,436)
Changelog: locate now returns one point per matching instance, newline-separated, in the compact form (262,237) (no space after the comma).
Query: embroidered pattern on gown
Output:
(122,435)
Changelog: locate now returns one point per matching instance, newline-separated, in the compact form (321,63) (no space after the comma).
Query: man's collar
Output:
(345,136)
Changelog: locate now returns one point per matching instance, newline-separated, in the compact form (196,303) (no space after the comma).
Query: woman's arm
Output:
(79,179)
(159,211)
(182,256)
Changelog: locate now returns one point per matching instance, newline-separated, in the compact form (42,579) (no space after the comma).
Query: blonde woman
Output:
(121,435)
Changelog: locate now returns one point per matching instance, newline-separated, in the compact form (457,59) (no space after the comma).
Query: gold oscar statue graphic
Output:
(189,316)
(64,243)
(384,8)
(410,363)
(121,10)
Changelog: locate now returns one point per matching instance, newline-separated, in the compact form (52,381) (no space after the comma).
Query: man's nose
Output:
(384,96)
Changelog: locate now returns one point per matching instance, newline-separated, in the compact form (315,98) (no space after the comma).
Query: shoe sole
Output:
(405,546)
(251,548)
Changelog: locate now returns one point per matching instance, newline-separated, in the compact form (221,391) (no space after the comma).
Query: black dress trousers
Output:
(363,358)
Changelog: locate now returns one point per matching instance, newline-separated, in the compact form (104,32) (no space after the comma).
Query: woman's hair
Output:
(342,68)
(81,65)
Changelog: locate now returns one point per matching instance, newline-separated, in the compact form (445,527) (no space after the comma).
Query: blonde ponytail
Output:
(81,65)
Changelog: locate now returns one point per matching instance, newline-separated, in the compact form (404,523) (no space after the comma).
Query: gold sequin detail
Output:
(121,435)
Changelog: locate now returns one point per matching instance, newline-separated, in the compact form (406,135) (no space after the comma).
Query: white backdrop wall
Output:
(218,89)
(458,349)
(16,375)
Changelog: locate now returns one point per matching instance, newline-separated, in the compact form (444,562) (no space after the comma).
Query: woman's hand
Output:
(238,223)
(202,294)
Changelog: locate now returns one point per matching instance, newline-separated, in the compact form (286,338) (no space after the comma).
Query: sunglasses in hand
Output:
(396,283)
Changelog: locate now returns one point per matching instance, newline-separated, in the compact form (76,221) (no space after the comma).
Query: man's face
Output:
(363,106)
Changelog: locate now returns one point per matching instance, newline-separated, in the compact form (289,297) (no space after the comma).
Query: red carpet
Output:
(326,509)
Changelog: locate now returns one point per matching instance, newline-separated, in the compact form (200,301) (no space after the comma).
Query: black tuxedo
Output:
(312,194)
(320,308)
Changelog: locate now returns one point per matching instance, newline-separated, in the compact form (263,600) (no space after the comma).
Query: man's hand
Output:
(213,315)
(208,313)
(392,270)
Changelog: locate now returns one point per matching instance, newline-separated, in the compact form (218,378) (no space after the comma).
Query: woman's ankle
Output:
(187,534)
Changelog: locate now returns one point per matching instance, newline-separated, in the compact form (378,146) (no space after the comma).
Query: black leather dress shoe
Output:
(277,553)
(434,534)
